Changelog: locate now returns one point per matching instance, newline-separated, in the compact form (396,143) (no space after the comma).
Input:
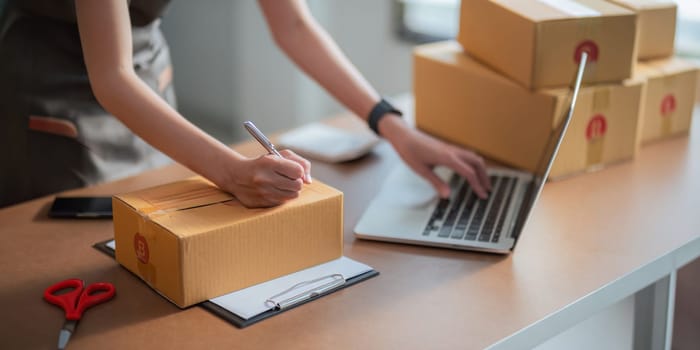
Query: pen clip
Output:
(335,281)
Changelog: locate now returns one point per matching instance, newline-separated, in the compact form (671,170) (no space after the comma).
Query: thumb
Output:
(440,186)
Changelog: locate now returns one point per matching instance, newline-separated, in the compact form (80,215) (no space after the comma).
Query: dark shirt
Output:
(142,12)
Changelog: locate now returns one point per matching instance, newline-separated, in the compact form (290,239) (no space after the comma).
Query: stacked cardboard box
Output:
(657,26)
(670,81)
(670,97)
(506,87)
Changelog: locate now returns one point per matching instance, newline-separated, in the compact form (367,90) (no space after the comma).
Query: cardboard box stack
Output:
(670,81)
(191,241)
(670,97)
(538,42)
(505,88)
(657,26)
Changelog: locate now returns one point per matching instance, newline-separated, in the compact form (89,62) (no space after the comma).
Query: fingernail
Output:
(307,178)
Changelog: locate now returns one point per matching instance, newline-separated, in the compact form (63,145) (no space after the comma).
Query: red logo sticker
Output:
(141,248)
(588,46)
(668,105)
(597,127)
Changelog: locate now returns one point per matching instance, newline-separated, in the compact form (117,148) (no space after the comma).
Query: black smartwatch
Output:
(380,110)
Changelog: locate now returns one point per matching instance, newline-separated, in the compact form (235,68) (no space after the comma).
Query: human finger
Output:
(469,173)
(267,179)
(440,186)
(287,167)
(479,166)
(289,154)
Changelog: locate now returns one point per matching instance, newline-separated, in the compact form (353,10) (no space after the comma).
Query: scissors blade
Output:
(66,332)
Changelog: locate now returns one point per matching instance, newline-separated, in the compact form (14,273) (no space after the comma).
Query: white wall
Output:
(227,68)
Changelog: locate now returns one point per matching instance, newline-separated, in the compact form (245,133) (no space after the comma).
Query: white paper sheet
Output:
(249,302)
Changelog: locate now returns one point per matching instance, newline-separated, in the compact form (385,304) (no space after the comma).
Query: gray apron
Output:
(53,132)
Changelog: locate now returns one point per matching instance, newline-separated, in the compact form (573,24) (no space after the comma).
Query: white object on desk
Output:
(328,144)
(251,301)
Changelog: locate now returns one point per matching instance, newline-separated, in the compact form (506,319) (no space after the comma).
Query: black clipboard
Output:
(240,322)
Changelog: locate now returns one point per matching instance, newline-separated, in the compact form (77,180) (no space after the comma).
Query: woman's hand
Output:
(422,153)
(268,180)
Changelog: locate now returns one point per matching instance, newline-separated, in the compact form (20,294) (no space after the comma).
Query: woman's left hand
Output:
(423,153)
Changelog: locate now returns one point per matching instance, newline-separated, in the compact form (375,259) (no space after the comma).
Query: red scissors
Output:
(76,301)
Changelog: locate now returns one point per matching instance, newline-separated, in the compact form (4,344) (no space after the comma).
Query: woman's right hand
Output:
(268,180)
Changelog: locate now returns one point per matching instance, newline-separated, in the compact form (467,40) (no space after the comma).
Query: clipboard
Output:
(296,294)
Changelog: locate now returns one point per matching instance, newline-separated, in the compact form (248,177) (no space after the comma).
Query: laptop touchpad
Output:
(405,188)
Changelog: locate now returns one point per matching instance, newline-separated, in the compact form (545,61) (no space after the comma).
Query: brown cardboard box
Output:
(538,42)
(670,97)
(656,25)
(191,241)
(462,101)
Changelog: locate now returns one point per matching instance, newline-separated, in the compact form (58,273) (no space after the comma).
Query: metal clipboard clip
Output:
(335,280)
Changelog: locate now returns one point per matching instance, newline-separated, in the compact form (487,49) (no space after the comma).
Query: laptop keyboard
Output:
(466,217)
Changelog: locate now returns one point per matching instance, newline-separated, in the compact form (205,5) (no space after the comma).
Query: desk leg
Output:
(653,314)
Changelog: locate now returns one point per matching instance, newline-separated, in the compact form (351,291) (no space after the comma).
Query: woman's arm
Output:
(105,34)
(297,33)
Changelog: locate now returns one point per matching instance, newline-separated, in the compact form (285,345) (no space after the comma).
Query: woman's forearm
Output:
(125,96)
(105,32)
(306,43)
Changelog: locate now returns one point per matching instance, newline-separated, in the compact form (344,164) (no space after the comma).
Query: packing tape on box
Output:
(143,255)
(572,8)
(597,127)
(668,104)
(141,238)
(601,99)
(176,199)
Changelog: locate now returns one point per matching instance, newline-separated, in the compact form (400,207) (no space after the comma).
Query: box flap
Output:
(190,193)
(663,67)
(451,53)
(640,5)
(199,219)
(550,10)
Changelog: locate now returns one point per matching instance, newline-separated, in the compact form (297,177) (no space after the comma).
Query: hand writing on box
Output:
(268,180)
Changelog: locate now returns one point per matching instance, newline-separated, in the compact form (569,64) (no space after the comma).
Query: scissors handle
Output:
(76,301)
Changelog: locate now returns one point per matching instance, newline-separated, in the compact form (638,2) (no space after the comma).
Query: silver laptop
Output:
(407,210)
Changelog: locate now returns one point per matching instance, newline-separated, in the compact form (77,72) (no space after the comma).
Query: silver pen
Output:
(261,138)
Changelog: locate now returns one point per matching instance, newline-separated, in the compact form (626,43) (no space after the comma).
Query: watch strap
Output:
(380,110)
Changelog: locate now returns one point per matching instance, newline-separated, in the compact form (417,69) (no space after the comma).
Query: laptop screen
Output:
(550,151)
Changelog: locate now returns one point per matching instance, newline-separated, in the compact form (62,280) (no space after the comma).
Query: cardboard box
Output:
(670,97)
(191,241)
(538,42)
(464,102)
(656,25)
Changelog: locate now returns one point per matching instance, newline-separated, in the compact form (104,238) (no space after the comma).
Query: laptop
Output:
(407,210)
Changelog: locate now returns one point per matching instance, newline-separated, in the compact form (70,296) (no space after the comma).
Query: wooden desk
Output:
(593,240)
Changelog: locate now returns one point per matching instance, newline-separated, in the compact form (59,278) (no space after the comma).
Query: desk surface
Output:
(592,240)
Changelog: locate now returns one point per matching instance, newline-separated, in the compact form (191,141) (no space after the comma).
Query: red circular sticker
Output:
(141,248)
(597,127)
(588,46)
(668,105)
